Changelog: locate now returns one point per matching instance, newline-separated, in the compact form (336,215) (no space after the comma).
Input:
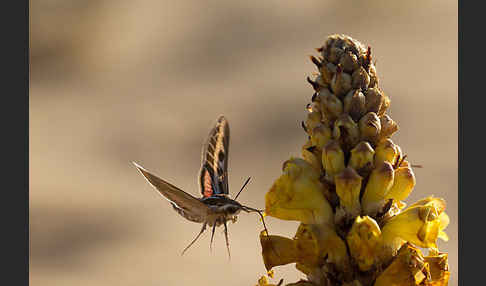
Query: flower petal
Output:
(298,195)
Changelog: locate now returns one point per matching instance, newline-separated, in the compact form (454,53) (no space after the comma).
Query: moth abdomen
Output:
(187,215)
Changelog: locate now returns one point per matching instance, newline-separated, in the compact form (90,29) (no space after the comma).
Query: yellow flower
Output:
(361,156)
(263,281)
(439,269)
(346,131)
(407,269)
(370,127)
(299,195)
(320,136)
(348,187)
(364,241)
(348,190)
(332,159)
(316,242)
(403,184)
(277,250)
(313,119)
(308,248)
(380,181)
(311,157)
(421,223)
(331,106)
(386,151)
(311,245)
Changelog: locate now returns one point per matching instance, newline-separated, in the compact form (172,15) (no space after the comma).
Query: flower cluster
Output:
(348,188)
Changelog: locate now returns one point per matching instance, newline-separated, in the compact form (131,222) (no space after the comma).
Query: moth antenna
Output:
(190,244)
(226,237)
(246,182)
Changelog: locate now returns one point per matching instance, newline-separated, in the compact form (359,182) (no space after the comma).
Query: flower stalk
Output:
(348,189)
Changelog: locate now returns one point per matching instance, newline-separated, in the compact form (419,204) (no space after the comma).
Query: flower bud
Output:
(314,106)
(370,127)
(348,187)
(321,135)
(341,82)
(364,242)
(374,98)
(346,131)
(332,160)
(380,181)
(361,156)
(316,61)
(354,104)
(311,158)
(386,151)
(321,82)
(373,76)
(315,84)
(403,184)
(327,72)
(384,105)
(349,62)
(388,126)
(313,119)
(335,54)
(360,78)
(331,106)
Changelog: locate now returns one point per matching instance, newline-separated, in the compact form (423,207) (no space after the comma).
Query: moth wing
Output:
(192,208)
(213,177)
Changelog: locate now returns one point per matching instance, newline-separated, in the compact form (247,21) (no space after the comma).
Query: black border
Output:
(472,150)
(14,208)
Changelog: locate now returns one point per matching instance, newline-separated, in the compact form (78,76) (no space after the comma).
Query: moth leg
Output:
(199,234)
(226,237)
(212,236)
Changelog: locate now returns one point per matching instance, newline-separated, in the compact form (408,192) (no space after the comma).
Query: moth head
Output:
(232,209)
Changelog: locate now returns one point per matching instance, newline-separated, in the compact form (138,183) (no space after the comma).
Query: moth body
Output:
(222,209)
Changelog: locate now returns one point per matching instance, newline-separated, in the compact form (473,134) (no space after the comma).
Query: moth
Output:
(215,207)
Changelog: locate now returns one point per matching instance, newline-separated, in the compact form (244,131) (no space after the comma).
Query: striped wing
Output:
(186,205)
(213,177)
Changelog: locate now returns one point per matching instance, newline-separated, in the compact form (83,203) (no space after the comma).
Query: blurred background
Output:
(120,81)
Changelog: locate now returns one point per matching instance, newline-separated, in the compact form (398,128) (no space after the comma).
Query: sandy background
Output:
(116,81)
